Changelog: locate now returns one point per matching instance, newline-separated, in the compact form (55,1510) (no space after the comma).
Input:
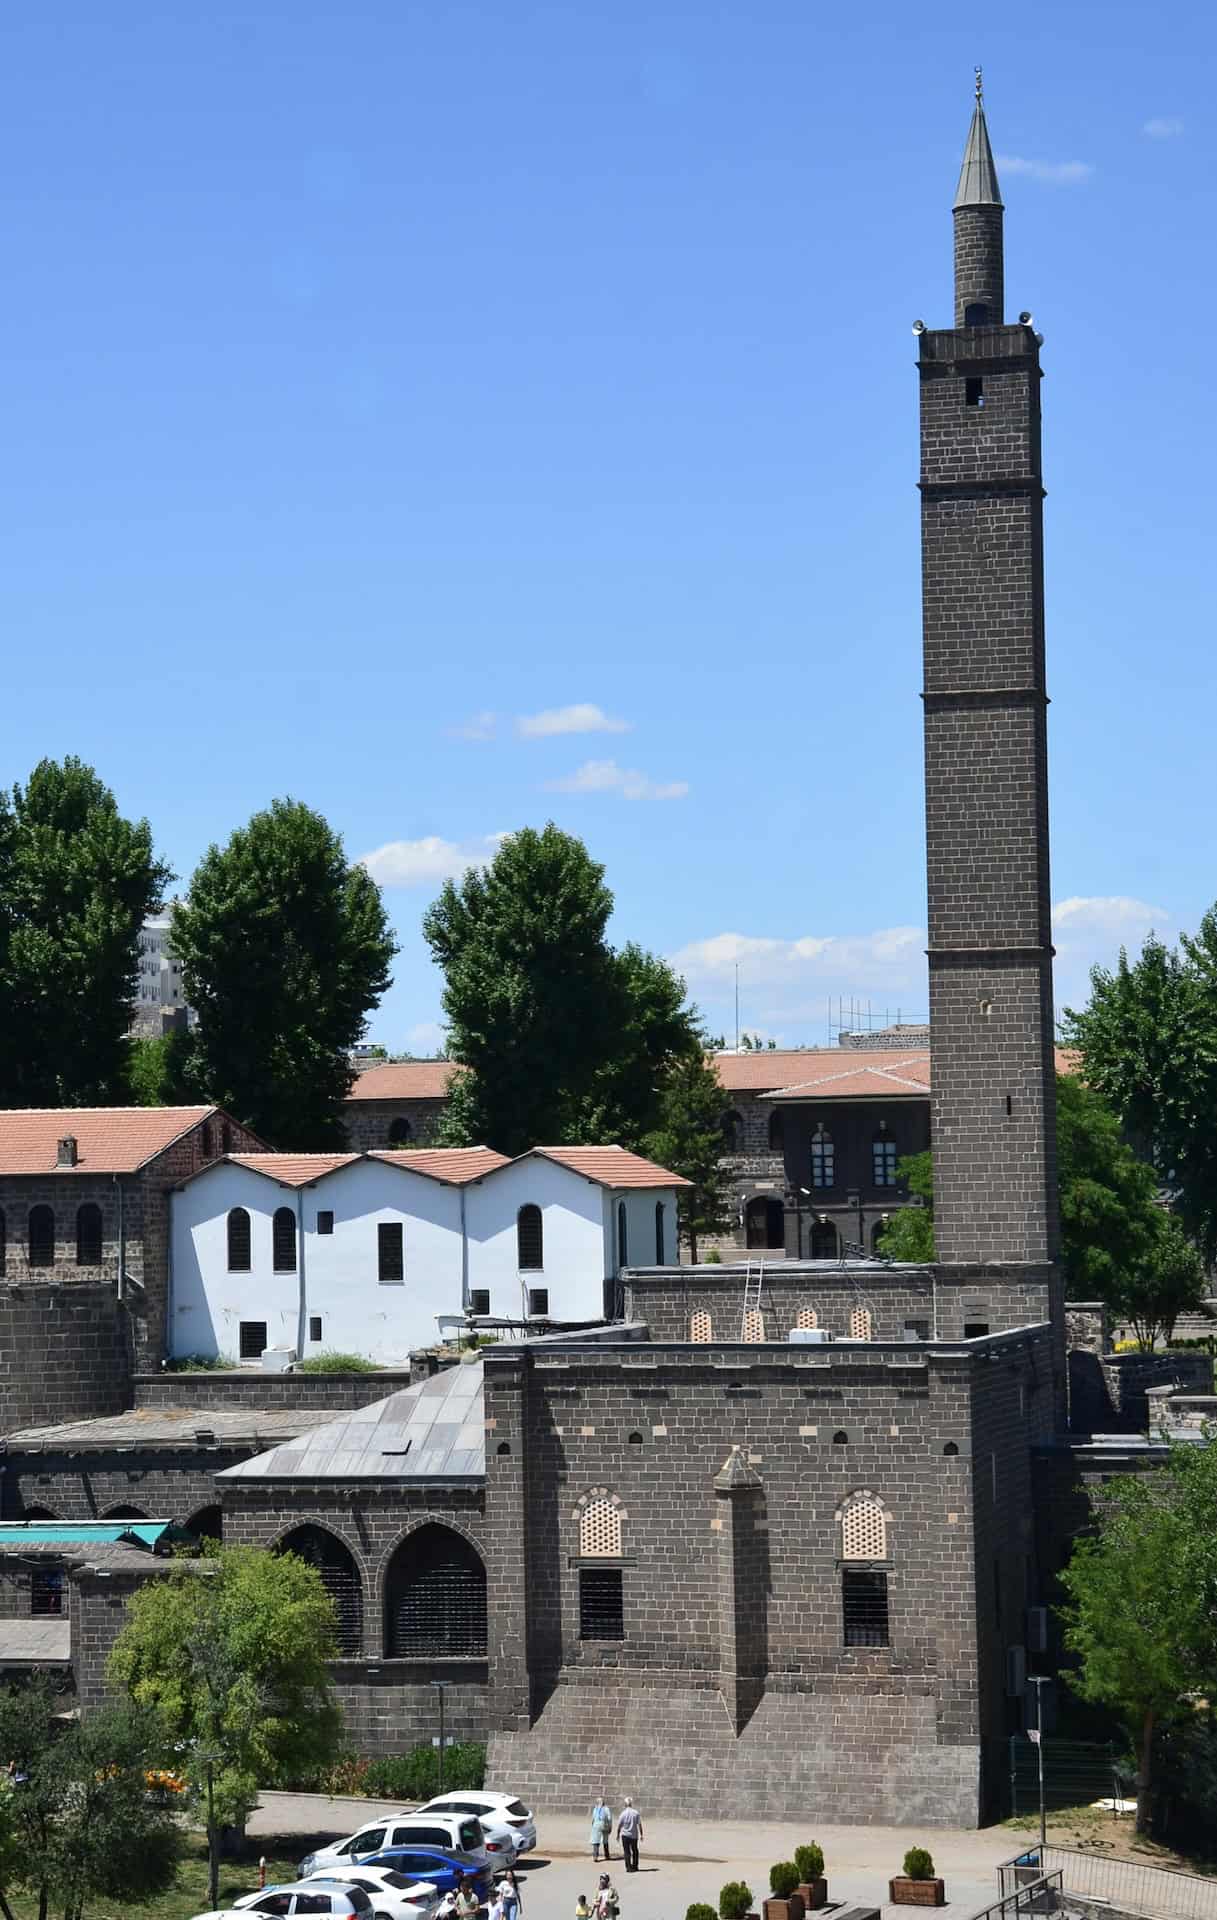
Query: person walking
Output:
(606,1905)
(467,1902)
(602,1828)
(509,1895)
(629,1832)
(582,1910)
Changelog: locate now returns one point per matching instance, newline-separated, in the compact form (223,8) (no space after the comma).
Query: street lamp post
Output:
(1039,1682)
(439,1686)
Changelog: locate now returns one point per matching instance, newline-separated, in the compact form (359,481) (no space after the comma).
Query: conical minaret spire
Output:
(978,228)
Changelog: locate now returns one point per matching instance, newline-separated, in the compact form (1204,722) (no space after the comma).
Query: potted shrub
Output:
(813,1887)
(786,1903)
(917,1886)
(735,1901)
(700,1910)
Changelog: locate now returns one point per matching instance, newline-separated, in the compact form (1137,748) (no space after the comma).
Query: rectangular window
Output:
(601,1611)
(479,1300)
(325,1222)
(974,391)
(975,1329)
(314,1327)
(390,1254)
(46,1590)
(538,1300)
(883,1153)
(864,1605)
(254,1339)
(823,1161)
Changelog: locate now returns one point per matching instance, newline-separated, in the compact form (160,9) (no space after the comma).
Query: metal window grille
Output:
(808,1317)
(42,1237)
(390,1253)
(238,1241)
(823,1160)
(860,1323)
(623,1253)
(864,1607)
(254,1339)
(283,1240)
(436,1597)
(863,1531)
(530,1240)
(883,1158)
(600,1531)
(701,1330)
(339,1576)
(659,1249)
(479,1300)
(538,1301)
(325,1220)
(46,1590)
(601,1607)
(824,1241)
(3,1240)
(314,1326)
(88,1235)
(754,1326)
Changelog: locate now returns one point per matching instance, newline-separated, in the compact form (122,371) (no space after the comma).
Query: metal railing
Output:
(1042,1893)
(1158,1893)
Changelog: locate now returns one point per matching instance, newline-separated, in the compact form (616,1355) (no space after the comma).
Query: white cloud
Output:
(583,718)
(1051,173)
(427,1036)
(428,862)
(1167,128)
(605,776)
(480,726)
(1114,916)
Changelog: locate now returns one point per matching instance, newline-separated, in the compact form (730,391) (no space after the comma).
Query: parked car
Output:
(390,1892)
(426,1863)
(495,1811)
(338,1897)
(457,1835)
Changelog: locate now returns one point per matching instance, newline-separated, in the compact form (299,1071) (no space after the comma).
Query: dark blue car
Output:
(427,1863)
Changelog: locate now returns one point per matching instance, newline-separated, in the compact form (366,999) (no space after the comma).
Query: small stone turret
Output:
(979,270)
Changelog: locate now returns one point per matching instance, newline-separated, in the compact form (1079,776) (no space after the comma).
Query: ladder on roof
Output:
(753,1281)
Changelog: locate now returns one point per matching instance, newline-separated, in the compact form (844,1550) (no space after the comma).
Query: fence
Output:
(1040,1894)
(1156,1892)
(1076,1773)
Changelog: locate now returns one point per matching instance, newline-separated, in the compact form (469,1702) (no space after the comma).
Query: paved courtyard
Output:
(687,1860)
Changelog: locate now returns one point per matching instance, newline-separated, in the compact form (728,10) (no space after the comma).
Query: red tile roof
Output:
(455,1165)
(405,1080)
(108,1139)
(611,1166)
(292,1169)
(846,1076)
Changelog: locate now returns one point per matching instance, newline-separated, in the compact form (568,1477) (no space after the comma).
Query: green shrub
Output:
(918,1864)
(336,1363)
(700,1910)
(201,1363)
(715,1259)
(783,1879)
(810,1862)
(734,1901)
(415,1775)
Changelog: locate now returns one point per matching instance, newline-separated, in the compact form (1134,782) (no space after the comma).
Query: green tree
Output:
(285,949)
(158,1069)
(77,880)
(909,1233)
(81,1823)
(689,1141)
(232,1652)
(1141,1613)
(565,1040)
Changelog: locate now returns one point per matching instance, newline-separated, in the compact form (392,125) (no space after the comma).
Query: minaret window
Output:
(974,386)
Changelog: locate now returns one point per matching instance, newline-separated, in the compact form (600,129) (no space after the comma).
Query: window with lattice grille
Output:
(283,1240)
(754,1326)
(860,1323)
(339,1576)
(601,1611)
(46,1590)
(823,1159)
(863,1531)
(600,1531)
(239,1242)
(883,1160)
(435,1597)
(253,1339)
(390,1253)
(530,1240)
(864,1607)
(701,1329)
(808,1317)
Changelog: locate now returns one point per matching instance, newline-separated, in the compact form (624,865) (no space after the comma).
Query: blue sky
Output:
(377,378)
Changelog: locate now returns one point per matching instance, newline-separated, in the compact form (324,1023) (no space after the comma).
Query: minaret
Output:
(986,777)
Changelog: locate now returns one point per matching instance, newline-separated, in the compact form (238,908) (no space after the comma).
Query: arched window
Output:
(207,1524)
(754,1326)
(764,1223)
(530,1240)
(700,1329)
(883,1158)
(238,1241)
(623,1238)
(823,1159)
(339,1576)
(124,1513)
(840,1438)
(733,1132)
(88,1235)
(634,1440)
(824,1241)
(435,1597)
(660,1252)
(400,1132)
(38,1513)
(876,1234)
(3,1240)
(777,1131)
(950,1449)
(600,1530)
(42,1237)
(283,1240)
(808,1317)
(863,1529)
(860,1323)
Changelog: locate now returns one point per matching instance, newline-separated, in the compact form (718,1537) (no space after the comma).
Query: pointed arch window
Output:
(883,1158)
(435,1597)
(88,1234)
(530,1239)
(339,1576)
(808,1317)
(400,1132)
(864,1529)
(239,1241)
(754,1327)
(600,1531)
(42,1237)
(823,1159)
(860,1323)
(825,1243)
(701,1330)
(283,1240)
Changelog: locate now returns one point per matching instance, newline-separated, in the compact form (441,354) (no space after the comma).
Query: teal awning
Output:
(80,1533)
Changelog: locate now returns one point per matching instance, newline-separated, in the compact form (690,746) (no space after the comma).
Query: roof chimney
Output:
(65,1151)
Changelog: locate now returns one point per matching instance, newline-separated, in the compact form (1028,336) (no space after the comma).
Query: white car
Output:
(338,1898)
(457,1835)
(496,1811)
(390,1892)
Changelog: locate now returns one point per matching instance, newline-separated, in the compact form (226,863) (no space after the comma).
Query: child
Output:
(582,1910)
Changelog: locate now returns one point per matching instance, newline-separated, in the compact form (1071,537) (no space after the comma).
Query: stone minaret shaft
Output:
(986,775)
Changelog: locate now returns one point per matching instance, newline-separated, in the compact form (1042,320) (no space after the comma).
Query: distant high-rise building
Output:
(160,1000)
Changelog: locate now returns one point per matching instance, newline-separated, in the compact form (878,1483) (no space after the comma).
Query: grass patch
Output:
(336,1363)
(188,1895)
(1092,1830)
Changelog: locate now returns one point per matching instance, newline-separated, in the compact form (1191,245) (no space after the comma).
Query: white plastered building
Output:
(370,1253)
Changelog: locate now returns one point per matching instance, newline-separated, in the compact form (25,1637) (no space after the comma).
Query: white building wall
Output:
(208,1302)
(359,1313)
(577,1256)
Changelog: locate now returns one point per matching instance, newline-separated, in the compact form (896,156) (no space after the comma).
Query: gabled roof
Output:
(611,1166)
(108,1139)
(290,1169)
(405,1080)
(455,1166)
(434,1431)
(845,1078)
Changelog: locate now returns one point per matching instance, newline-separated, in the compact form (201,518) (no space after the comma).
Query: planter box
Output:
(791,1909)
(903,1892)
(813,1893)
